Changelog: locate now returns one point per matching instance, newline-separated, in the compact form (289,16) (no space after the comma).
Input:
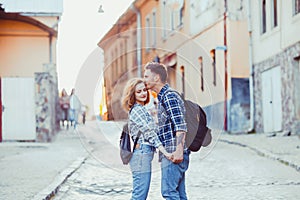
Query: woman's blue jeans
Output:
(173,178)
(141,165)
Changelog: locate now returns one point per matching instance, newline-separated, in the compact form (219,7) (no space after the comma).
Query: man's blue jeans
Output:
(173,178)
(141,166)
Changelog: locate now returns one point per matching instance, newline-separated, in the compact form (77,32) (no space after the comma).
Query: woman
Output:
(64,102)
(134,98)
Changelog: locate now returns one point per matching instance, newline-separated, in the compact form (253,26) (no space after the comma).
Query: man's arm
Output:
(178,154)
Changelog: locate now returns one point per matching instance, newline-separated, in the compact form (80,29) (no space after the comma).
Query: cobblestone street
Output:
(225,171)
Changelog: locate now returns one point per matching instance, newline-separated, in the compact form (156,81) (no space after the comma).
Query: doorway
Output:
(18,109)
(271,99)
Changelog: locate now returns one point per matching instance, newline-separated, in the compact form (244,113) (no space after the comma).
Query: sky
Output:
(79,59)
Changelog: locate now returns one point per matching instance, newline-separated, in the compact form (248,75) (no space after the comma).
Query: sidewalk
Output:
(285,149)
(36,170)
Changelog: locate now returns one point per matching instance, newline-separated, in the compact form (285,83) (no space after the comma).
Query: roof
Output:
(33,7)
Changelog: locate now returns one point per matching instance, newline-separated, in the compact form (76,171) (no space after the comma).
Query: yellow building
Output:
(28,35)
(203,43)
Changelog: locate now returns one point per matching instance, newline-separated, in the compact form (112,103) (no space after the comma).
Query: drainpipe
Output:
(50,49)
(225,63)
(251,125)
(139,40)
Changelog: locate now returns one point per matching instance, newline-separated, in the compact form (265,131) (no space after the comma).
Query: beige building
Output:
(275,48)
(198,41)
(28,36)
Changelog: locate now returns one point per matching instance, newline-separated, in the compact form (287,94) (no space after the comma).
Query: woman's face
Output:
(141,93)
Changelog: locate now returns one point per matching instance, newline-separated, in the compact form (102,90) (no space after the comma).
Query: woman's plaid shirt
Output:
(170,117)
(141,120)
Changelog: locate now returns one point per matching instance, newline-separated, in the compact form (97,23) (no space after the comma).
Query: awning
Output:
(170,60)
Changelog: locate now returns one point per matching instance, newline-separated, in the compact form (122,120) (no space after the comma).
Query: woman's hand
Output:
(168,155)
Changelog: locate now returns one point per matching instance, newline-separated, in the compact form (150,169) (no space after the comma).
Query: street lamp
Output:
(100,10)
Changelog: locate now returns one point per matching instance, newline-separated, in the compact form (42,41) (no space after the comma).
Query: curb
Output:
(264,154)
(52,189)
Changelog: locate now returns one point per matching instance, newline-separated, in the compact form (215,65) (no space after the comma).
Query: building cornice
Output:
(28,20)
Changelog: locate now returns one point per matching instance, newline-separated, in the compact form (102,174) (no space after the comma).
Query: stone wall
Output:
(47,122)
(289,77)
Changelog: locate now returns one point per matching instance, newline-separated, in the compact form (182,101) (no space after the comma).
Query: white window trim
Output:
(147,33)
(154,26)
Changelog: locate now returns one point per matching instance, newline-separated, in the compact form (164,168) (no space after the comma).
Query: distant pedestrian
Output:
(135,96)
(83,113)
(172,131)
(64,102)
(75,107)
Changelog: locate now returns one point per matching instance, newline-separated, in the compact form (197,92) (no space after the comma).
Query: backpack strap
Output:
(163,96)
(137,137)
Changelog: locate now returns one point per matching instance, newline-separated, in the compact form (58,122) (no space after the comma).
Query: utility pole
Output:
(225,65)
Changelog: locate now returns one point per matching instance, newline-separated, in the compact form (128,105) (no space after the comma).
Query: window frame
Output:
(274,13)
(296,7)
(263,19)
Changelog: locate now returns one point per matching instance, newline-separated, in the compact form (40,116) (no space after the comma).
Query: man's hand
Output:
(177,156)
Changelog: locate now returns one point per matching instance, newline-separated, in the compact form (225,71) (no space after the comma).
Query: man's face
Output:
(149,78)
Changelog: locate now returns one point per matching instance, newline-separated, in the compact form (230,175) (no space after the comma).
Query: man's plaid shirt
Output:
(170,117)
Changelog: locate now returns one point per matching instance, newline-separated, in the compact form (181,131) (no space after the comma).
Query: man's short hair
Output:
(158,68)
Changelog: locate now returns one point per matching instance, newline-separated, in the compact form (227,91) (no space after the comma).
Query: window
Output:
(263,17)
(200,59)
(274,14)
(112,69)
(122,58)
(182,80)
(296,5)
(181,17)
(164,15)
(172,16)
(154,29)
(147,29)
(177,17)
(213,57)
(125,55)
(117,62)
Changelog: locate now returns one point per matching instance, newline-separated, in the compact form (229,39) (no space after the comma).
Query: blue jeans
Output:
(173,178)
(141,165)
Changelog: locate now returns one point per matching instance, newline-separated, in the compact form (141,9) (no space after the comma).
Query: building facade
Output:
(204,45)
(29,94)
(275,38)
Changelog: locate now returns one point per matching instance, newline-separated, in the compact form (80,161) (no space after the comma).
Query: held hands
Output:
(177,156)
(168,155)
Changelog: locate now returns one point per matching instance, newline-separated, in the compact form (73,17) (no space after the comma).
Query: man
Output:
(75,107)
(172,130)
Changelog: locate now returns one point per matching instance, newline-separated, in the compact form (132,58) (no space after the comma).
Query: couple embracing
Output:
(168,136)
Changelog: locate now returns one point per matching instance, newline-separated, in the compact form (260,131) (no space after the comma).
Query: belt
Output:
(138,146)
